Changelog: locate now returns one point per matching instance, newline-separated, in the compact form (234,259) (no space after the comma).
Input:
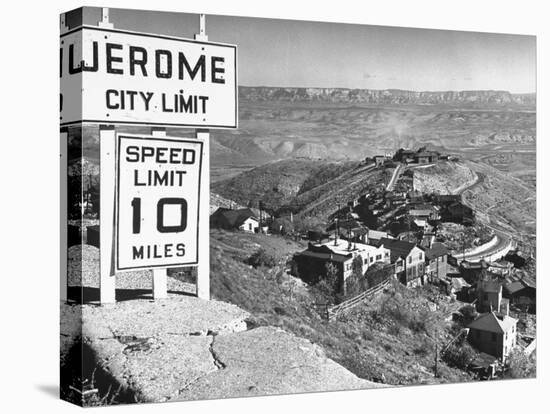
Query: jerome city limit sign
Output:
(122,77)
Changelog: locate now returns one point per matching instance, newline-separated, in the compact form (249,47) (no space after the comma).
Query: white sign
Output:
(157,201)
(121,77)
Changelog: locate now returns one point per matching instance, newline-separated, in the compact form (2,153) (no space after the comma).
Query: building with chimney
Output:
(493,333)
(311,264)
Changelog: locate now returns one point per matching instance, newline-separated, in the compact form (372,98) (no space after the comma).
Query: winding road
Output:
(493,250)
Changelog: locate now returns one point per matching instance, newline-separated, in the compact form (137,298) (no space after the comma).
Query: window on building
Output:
(387,254)
(371,259)
(378,257)
(420,256)
(410,259)
(366,260)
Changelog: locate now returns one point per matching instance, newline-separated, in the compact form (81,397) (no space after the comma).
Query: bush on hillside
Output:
(261,258)
(305,224)
(459,356)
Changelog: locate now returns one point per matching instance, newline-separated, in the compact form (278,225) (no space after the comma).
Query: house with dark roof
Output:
(472,271)
(242,219)
(493,333)
(409,261)
(521,292)
(436,261)
(457,212)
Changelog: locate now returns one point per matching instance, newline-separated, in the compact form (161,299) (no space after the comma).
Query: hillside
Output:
(443,178)
(278,184)
(377,343)
(217,201)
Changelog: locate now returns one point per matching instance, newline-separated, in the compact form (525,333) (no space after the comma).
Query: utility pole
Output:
(260,208)
(336,231)
(436,360)
(463,249)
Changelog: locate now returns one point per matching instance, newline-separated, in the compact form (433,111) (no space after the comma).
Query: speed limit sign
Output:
(157,201)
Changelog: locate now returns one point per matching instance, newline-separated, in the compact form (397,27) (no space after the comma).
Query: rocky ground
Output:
(443,178)
(184,348)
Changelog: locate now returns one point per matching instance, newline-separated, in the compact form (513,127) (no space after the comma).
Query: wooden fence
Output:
(531,347)
(334,311)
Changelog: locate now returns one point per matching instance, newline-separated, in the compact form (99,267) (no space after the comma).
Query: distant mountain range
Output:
(384,96)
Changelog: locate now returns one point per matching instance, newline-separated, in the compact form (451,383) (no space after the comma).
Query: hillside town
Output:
(395,233)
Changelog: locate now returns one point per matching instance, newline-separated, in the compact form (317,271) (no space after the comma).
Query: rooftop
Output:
(235,217)
(398,248)
(344,247)
(493,322)
(376,234)
(326,256)
(437,250)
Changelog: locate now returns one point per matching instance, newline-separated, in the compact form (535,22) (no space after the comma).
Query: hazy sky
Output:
(310,54)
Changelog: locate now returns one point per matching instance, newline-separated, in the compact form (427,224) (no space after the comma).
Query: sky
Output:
(292,53)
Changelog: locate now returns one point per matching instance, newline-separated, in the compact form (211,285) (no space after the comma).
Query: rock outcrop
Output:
(383,96)
(184,348)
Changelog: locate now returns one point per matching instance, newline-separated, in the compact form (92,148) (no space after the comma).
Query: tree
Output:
(282,225)
(329,284)
(355,283)
(305,224)
(332,278)
(459,355)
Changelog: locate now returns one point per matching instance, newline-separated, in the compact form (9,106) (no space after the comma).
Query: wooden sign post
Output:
(203,269)
(63,216)
(107,173)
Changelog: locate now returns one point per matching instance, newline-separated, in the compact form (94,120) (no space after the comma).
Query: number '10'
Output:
(136,215)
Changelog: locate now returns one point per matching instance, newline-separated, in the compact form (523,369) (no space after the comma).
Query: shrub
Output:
(468,313)
(459,356)
(261,258)
(521,365)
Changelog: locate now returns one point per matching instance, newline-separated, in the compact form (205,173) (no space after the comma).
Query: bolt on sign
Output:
(122,77)
(157,201)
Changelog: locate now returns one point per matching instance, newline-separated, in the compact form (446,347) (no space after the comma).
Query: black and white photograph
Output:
(264,206)
(274,206)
